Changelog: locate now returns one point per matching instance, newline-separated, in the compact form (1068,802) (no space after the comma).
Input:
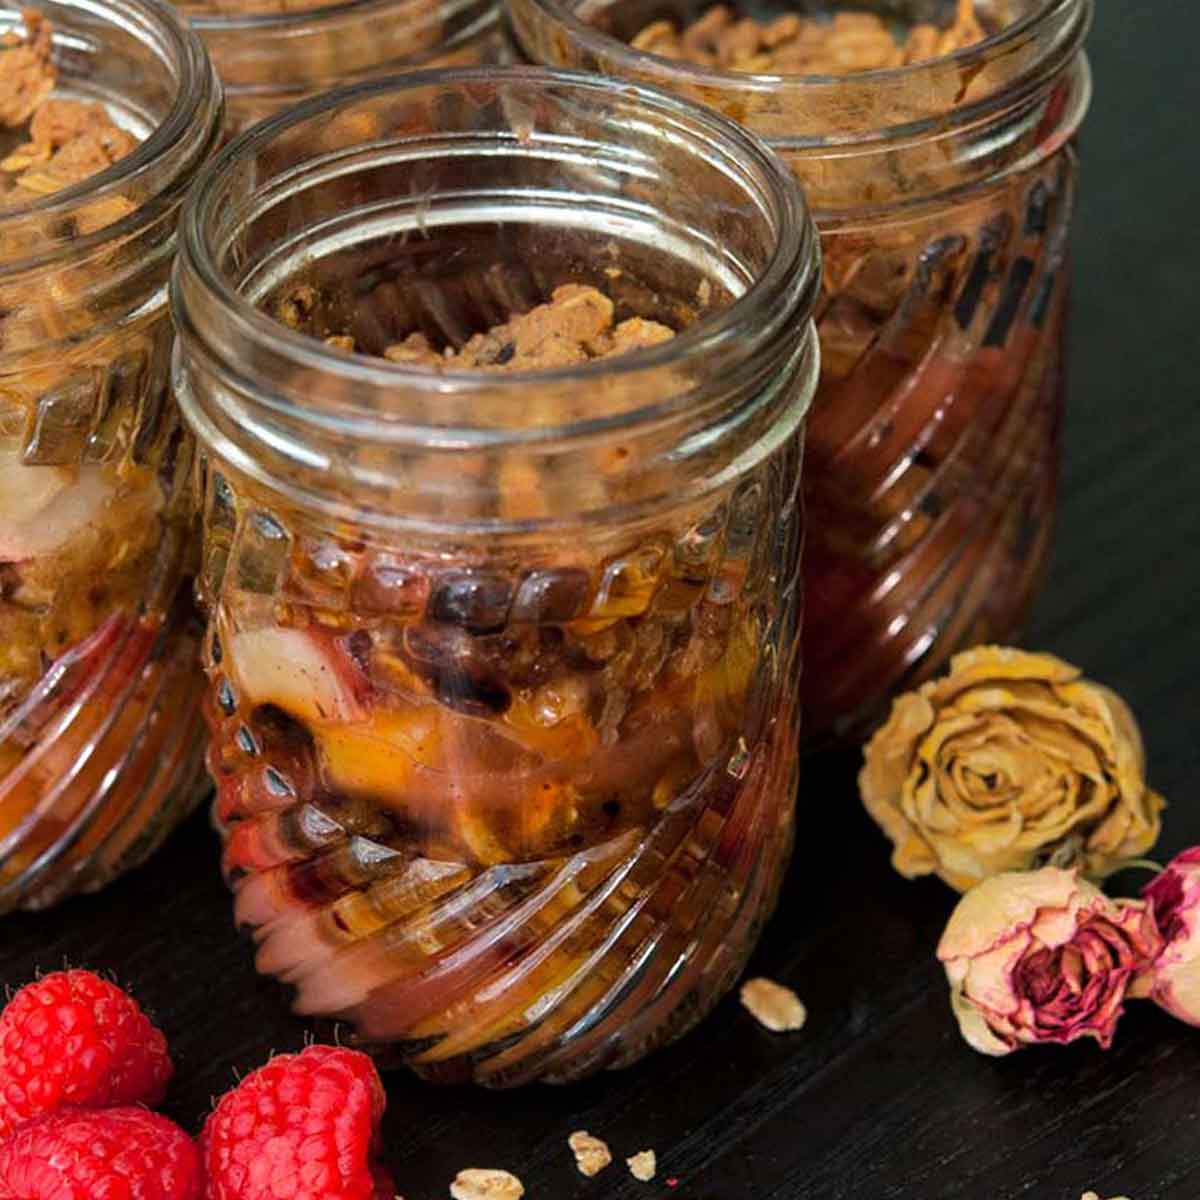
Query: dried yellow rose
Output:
(1011,761)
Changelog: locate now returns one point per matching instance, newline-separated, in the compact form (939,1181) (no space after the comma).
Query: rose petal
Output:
(989,913)
(976,1030)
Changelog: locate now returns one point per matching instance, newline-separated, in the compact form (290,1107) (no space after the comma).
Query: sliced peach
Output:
(44,507)
(302,672)
(568,741)
(379,755)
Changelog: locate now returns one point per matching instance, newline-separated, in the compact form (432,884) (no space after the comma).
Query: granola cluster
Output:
(773,1006)
(66,141)
(575,326)
(794,45)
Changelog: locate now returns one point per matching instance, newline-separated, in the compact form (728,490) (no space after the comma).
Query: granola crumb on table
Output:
(794,45)
(643,1165)
(485,1183)
(773,1006)
(591,1154)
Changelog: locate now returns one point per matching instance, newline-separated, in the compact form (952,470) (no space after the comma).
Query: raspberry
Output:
(74,1040)
(124,1152)
(304,1127)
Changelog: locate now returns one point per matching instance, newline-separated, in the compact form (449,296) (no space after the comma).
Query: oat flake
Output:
(643,1165)
(773,1006)
(484,1183)
(591,1154)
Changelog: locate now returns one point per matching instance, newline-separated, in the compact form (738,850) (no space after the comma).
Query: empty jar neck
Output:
(871,145)
(450,201)
(88,258)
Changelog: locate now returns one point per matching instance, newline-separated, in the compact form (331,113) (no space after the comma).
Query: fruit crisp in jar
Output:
(271,54)
(934,139)
(501,554)
(104,117)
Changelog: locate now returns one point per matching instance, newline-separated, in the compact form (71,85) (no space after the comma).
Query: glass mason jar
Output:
(100,731)
(271,54)
(503,666)
(943,192)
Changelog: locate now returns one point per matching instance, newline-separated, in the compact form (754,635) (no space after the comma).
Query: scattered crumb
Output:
(643,1165)
(773,1006)
(591,1154)
(484,1183)
(1094,1196)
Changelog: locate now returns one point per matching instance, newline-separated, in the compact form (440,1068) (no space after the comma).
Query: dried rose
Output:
(1010,761)
(1173,981)
(1043,956)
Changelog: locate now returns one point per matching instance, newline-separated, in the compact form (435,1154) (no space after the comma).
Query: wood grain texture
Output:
(877,1099)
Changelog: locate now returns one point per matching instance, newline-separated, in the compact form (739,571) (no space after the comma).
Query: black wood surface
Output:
(878,1098)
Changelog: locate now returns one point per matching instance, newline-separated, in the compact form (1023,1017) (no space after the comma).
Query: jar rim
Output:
(327,14)
(670,71)
(197,86)
(793,267)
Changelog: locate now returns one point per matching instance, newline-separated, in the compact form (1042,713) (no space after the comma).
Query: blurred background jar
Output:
(503,664)
(100,730)
(271,54)
(943,182)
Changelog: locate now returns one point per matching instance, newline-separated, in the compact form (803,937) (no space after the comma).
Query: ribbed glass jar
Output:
(274,53)
(944,192)
(504,666)
(100,730)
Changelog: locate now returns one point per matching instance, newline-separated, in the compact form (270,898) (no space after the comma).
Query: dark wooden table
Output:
(878,1097)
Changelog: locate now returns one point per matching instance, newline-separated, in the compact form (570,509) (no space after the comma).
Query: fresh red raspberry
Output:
(118,1154)
(304,1127)
(74,1040)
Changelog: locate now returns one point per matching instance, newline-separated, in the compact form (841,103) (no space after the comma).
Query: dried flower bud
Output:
(1010,761)
(1043,957)
(1173,981)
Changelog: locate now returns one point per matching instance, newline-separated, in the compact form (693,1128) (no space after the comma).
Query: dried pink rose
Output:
(1173,980)
(1043,956)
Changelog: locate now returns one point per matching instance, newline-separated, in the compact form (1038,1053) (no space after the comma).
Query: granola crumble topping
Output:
(575,326)
(795,45)
(66,140)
